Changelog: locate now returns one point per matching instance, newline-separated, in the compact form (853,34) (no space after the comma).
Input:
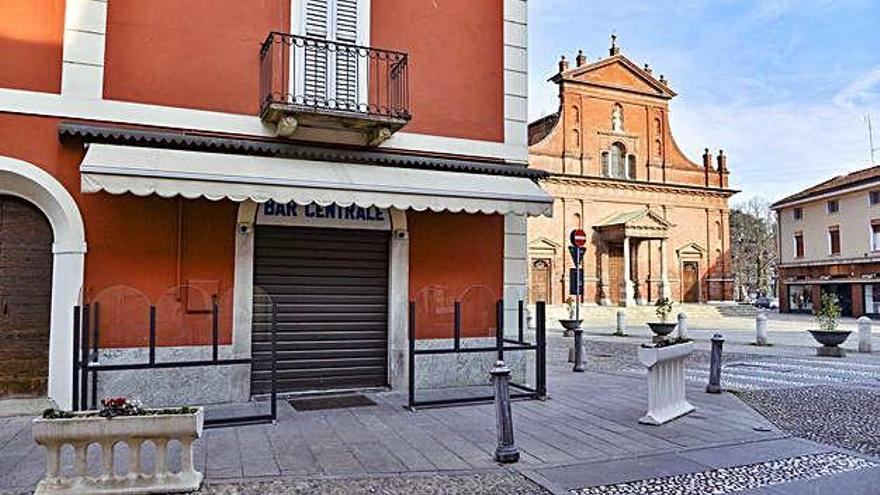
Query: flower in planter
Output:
(569,302)
(120,406)
(663,308)
(828,314)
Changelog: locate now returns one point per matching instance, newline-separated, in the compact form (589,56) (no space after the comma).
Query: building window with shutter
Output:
(798,245)
(832,206)
(332,75)
(874,198)
(798,213)
(875,235)
(834,240)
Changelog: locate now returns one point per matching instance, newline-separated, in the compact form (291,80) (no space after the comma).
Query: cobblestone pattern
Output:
(503,483)
(729,480)
(844,417)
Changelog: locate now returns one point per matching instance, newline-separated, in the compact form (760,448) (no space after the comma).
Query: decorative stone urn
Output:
(87,427)
(661,329)
(666,391)
(570,326)
(831,341)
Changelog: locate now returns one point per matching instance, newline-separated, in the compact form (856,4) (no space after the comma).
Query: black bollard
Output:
(714,386)
(578,350)
(506,450)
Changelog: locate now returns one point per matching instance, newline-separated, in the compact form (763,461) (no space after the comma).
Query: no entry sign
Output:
(578,238)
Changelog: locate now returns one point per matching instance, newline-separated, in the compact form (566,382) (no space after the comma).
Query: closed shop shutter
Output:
(331,291)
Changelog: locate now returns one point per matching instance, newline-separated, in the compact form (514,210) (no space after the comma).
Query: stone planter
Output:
(661,329)
(570,326)
(666,391)
(84,430)
(831,341)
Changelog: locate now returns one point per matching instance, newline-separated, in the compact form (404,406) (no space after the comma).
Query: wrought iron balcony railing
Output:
(306,77)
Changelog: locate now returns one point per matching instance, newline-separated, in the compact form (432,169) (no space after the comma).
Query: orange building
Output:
(334,158)
(658,222)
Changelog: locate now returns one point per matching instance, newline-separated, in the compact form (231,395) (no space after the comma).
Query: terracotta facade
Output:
(616,171)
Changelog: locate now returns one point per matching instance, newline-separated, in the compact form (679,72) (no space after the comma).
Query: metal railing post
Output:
(215,329)
(84,359)
(520,321)
(152,335)
(411,392)
(499,329)
(76,333)
(456,344)
(274,390)
(506,450)
(94,357)
(714,386)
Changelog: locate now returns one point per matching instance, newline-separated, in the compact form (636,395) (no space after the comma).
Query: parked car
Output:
(767,303)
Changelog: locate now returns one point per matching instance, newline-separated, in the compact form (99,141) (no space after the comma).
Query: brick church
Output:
(658,222)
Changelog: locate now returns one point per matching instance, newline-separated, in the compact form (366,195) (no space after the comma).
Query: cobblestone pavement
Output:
(486,483)
(839,416)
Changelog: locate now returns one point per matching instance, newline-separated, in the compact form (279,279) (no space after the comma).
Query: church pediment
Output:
(644,224)
(618,72)
(690,250)
(543,245)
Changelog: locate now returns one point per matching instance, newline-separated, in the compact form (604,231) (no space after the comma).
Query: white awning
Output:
(192,174)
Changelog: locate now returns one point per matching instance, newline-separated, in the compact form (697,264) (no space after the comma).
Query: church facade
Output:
(657,222)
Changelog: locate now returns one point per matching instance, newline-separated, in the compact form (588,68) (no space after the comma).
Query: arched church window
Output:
(606,164)
(575,138)
(576,222)
(575,115)
(617,162)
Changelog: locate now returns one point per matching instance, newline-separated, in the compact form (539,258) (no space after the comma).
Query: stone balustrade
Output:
(84,430)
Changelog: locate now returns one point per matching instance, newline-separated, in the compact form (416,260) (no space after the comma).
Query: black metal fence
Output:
(502,345)
(86,363)
(324,75)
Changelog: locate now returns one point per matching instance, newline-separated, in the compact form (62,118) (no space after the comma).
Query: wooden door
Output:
(540,281)
(25,298)
(690,279)
(615,274)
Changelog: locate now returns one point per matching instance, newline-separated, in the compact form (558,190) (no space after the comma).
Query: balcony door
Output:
(329,71)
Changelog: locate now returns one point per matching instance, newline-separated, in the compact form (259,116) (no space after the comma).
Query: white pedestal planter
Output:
(666,393)
(82,431)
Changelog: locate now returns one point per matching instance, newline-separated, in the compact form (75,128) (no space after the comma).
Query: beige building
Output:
(829,241)
(658,222)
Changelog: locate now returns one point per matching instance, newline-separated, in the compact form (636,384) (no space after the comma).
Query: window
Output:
(330,77)
(874,198)
(832,206)
(615,166)
(631,170)
(798,245)
(833,240)
(798,213)
(875,235)
(872,299)
(800,298)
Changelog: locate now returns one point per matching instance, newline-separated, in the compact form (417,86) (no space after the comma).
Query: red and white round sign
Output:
(578,237)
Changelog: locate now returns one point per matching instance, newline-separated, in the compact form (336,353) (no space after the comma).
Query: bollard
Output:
(714,386)
(578,350)
(761,329)
(506,450)
(682,326)
(621,322)
(864,334)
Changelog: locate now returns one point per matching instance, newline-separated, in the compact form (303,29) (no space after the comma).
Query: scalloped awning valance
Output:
(193,174)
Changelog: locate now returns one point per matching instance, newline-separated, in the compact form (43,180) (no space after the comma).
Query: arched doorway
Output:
(25,298)
(38,188)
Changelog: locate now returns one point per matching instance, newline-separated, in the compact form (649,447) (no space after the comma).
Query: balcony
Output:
(311,83)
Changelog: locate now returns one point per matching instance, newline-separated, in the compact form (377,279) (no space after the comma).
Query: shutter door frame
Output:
(292,266)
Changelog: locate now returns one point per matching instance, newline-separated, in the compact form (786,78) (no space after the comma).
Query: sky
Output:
(782,86)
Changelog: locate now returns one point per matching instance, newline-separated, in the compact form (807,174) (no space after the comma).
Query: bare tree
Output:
(753,247)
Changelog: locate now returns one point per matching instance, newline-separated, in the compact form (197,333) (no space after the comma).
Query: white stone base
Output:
(666,390)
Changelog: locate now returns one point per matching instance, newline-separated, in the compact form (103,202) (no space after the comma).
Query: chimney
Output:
(563,64)
(723,173)
(707,166)
(581,59)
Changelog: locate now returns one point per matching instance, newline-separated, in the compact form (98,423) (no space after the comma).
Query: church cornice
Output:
(645,186)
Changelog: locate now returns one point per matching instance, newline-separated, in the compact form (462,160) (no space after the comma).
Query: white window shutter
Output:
(346,31)
(316,61)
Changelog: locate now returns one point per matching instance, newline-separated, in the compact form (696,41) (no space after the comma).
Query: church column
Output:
(664,272)
(627,274)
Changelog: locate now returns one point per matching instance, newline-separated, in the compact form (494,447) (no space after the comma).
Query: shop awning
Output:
(192,174)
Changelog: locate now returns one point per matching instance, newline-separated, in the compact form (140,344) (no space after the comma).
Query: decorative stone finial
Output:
(663,80)
(614,50)
(581,59)
(563,64)
(648,69)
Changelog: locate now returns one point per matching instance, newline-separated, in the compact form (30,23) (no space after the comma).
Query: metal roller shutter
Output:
(331,291)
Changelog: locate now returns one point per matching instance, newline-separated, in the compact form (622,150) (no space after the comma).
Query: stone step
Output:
(647,312)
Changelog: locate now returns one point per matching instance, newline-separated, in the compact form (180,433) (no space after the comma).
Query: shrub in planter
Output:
(828,334)
(571,323)
(663,308)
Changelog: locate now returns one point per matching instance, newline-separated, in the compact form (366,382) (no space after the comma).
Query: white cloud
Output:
(861,91)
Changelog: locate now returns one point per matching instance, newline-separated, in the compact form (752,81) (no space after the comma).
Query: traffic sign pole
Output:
(578,240)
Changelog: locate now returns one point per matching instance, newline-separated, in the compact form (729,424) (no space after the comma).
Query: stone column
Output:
(665,289)
(629,292)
